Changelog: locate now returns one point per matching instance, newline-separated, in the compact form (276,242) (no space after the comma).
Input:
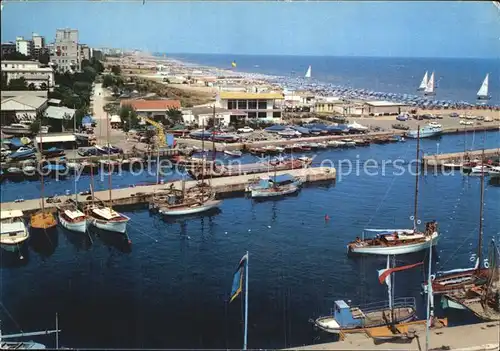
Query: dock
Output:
(472,337)
(441,159)
(141,195)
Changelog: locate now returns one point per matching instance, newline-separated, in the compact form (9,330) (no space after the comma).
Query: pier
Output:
(140,195)
(471,337)
(441,159)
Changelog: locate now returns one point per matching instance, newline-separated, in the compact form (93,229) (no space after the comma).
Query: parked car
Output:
(454,114)
(488,119)
(402,117)
(468,123)
(245,129)
(480,118)
(400,126)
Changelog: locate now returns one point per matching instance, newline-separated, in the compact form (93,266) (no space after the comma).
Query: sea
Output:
(170,287)
(457,79)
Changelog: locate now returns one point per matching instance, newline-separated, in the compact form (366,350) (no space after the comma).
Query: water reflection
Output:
(18,259)
(119,241)
(44,241)
(81,241)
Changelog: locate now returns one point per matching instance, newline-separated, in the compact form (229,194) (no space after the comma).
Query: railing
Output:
(398,302)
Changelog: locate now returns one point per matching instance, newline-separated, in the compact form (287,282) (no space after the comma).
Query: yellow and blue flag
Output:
(238,279)
(233,64)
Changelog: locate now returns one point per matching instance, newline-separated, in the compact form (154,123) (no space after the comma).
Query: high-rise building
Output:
(8,48)
(39,47)
(24,46)
(85,53)
(66,50)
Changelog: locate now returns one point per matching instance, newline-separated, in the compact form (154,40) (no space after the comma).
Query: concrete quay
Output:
(441,159)
(472,337)
(141,195)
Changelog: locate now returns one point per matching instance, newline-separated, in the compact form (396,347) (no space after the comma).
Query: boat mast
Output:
(480,243)
(109,161)
(415,211)
(203,160)
(430,301)
(245,337)
(41,171)
(214,150)
(74,132)
(393,283)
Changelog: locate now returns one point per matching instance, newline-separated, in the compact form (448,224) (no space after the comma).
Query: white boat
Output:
(407,242)
(336,143)
(349,142)
(17,129)
(423,83)
(480,169)
(274,191)
(74,220)
(429,88)
(357,127)
(13,232)
(234,153)
(106,218)
(494,172)
(429,130)
(452,165)
(189,209)
(308,72)
(482,93)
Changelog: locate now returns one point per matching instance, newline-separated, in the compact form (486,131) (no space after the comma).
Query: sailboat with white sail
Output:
(430,86)
(482,93)
(423,83)
(308,72)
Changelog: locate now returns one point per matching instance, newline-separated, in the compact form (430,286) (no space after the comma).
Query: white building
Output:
(22,108)
(379,108)
(32,72)
(66,53)
(24,46)
(251,105)
(203,114)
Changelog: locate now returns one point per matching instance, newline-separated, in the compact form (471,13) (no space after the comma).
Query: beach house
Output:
(265,106)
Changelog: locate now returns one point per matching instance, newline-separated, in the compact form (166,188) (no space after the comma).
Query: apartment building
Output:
(8,48)
(24,46)
(39,47)
(66,54)
(31,71)
(251,105)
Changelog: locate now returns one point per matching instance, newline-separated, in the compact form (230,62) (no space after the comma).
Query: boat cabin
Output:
(73,216)
(107,214)
(283,179)
(346,316)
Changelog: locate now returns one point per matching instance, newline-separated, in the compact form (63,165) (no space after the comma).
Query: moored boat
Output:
(13,232)
(72,219)
(106,218)
(233,153)
(427,131)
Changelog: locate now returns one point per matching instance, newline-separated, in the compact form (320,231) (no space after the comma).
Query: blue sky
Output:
(398,29)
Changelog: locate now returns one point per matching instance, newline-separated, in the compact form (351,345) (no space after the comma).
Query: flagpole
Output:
(245,335)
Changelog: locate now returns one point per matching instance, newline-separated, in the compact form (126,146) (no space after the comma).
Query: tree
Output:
(31,86)
(35,126)
(174,115)
(15,56)
(85,63)
(43,86)
(18,84)
(116,70)
(129,117)
(97,65)
(44,58)
(108,81)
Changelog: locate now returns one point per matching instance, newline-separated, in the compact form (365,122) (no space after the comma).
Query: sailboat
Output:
(429,88)
(308,72)
(398,241)
(42,220)
(423,83)
(397,310)
(70,217)
(26,345)
(104,217)
(482,93)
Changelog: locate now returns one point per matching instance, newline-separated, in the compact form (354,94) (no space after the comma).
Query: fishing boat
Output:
(13,231)
(281,185)
(429,130)
(73,219)
(233,153)
(429,88)
(188,207)
(345,317)
(481,298)
(482,93)
(105,218)
(42,220)
(398,241)
(423,83)
(265,182)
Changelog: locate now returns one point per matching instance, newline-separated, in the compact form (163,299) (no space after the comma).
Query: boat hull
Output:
(110,226)
(449,303)
(255,193)
(395,250)
(12,247)
(190,210)
(423,134)
(80,227)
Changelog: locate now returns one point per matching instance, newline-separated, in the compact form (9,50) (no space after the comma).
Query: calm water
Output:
(169,289)
(456,79)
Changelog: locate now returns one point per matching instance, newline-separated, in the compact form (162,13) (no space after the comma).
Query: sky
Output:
(349,28)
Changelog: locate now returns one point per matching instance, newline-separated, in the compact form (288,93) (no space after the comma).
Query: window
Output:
(262,104)
(262,114)
(231,104)
(242,104)
(252,104)
(277,114)
(252,114)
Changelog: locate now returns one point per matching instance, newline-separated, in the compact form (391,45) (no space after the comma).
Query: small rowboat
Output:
(234,153)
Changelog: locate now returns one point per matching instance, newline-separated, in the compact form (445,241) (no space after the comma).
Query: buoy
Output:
(327,218)
(249,230)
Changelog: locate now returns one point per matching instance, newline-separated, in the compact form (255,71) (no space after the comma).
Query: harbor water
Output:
(170,287)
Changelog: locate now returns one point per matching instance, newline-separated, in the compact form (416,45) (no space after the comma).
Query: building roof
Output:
(23,103)
(25,62)
(56,137)
(250,96)
(377,103)
(54,101)
(152,105)
(11,93)
(57,112)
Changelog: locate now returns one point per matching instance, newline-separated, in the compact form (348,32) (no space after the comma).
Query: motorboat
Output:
(478,170)
(17,129)
(22,154)
(429,130)
(106,218)
(346,317)
(349,142)
(13,232)
(233,153)
(494,172)
(265,182)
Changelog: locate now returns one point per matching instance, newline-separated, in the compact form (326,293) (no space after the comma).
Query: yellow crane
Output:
(160,134)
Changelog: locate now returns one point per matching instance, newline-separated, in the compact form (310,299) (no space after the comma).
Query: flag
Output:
(384,274)
(233,64)
(238,279)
